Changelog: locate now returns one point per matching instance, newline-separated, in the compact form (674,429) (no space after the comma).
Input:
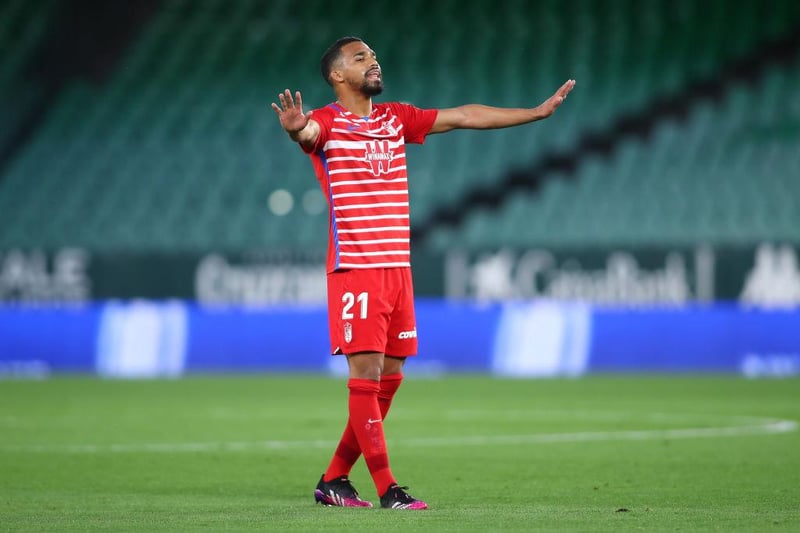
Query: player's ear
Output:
(336,76)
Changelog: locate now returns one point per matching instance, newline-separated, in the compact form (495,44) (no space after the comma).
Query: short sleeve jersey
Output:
(360,163)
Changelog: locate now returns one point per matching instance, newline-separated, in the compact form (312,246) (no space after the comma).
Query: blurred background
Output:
(155,219)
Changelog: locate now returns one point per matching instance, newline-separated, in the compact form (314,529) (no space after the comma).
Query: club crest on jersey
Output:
(379,156)
(390,128)
(348,332)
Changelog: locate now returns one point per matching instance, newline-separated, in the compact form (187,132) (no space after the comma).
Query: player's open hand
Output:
(552,103)
(290,112)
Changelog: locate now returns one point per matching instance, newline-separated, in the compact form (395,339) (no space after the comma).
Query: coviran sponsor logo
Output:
(219,281)
(412,334)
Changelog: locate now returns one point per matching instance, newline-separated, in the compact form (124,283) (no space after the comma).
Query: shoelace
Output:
(344,487)
(400,494)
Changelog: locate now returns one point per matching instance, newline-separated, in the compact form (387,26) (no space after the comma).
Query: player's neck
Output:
(358,105)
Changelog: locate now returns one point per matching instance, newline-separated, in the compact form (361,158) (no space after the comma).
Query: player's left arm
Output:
(482,117)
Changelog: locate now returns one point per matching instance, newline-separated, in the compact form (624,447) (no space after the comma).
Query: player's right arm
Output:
(300,127)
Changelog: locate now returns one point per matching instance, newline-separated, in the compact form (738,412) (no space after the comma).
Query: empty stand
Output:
(180,150)
(727,174)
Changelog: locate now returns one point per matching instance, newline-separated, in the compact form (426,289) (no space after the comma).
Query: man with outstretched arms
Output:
(357,148)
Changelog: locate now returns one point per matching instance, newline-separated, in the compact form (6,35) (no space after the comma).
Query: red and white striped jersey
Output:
(360,164)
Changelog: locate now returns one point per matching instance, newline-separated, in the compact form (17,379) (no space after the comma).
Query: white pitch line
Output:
(766,427)
(772,427)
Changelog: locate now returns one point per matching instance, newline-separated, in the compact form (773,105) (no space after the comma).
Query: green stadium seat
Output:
(179,149)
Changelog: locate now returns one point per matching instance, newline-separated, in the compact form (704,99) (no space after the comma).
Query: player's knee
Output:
(393,365)
(366,365)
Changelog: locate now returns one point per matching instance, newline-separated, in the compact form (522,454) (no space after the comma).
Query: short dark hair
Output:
(332,54)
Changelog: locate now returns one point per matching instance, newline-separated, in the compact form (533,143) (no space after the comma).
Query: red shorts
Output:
(372,310)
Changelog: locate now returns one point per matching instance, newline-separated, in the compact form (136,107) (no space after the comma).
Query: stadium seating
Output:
(22,25)
(727,174)
(180,151)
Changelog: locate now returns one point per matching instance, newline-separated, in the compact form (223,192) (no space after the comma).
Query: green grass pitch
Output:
(205,453)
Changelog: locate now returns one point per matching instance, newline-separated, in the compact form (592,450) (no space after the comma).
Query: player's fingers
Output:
(299,99)
(566,88)
(289,101)
(276,108)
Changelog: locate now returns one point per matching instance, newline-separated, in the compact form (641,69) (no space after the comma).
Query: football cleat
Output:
(338,492)
(397,498)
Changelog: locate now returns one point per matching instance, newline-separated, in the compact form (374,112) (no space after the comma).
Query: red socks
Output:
(389,385)
(369,401)
(367,424)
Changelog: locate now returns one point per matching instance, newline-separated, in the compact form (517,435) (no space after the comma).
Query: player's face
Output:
(361,69)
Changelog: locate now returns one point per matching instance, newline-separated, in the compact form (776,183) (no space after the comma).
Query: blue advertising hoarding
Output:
(521,339)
